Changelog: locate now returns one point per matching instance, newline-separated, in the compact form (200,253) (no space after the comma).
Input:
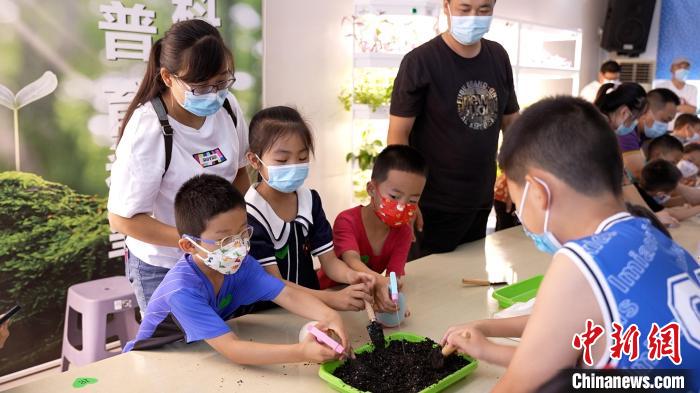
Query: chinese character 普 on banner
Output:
(128,31)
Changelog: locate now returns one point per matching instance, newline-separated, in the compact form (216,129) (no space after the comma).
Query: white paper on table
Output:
(516,310)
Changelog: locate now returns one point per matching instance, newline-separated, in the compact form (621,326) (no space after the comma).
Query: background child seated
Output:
(660,178)
(670,149)
(290,225)
(216,276)
(665,147)
(690,165)
(565,172)
(376,238)
(687,128)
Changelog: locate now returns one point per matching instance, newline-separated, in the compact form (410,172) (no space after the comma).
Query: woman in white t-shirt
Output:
(188,76)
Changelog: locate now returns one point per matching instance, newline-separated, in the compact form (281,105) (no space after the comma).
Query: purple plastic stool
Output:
(94,300)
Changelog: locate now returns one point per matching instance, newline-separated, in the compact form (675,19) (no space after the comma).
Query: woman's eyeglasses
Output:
(200,90)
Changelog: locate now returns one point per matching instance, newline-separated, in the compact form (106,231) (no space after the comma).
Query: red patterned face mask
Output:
(393,214)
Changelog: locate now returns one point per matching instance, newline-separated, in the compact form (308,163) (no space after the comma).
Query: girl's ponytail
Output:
(611,97)
(151,85)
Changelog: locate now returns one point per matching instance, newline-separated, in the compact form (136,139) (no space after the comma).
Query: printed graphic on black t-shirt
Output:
(477,104)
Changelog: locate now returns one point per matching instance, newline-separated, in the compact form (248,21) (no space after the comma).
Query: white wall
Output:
(306,61)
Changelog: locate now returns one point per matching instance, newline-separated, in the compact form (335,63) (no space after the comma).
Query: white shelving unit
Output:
(545,60)
(383,32)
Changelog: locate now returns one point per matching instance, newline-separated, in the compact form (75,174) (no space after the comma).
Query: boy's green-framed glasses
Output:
(240,239)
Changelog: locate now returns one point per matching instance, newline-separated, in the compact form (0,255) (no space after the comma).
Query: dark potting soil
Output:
(376,333)
(388,370)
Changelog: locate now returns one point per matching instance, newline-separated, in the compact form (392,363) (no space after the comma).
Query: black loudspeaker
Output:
(627,24)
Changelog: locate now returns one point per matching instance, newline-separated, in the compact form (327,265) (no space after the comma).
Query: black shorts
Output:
(505,218)
(444,231)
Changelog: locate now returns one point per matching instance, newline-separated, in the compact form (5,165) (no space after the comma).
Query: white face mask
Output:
(467,30)
(226,259)
(687,168)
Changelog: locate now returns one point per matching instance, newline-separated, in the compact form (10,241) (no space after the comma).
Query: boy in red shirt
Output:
(376,238)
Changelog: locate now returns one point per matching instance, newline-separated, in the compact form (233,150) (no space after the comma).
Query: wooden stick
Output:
(370,311)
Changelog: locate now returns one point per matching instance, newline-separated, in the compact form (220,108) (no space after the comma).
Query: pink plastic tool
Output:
(393,287)
(324,338)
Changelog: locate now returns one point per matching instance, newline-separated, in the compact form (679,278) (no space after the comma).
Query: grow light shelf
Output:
(362,111)
(398,7)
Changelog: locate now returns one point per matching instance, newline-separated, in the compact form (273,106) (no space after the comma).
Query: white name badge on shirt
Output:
(210,158)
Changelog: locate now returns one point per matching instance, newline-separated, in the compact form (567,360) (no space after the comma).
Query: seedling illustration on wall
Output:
(34,91)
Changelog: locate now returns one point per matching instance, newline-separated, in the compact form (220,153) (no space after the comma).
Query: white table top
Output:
(435,296)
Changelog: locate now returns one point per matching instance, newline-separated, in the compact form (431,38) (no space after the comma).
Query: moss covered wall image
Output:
(50,238)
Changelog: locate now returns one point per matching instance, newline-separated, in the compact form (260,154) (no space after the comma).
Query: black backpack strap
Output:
(167,130)
(227,106)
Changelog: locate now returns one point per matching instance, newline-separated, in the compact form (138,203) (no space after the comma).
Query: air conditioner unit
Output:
(638,71)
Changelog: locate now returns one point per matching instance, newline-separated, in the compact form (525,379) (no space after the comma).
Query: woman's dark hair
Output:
(270,124)
(610,97)
(191,49)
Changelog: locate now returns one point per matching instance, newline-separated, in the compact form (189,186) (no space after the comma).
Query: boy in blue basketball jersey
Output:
(564,172)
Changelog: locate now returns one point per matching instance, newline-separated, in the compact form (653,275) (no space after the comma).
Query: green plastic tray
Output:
(327,369)
(519,292)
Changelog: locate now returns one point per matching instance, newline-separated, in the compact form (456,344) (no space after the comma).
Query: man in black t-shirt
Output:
(452,96)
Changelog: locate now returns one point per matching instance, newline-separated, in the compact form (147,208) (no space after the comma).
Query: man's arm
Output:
(508,120)
(399,130)
(687,108)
